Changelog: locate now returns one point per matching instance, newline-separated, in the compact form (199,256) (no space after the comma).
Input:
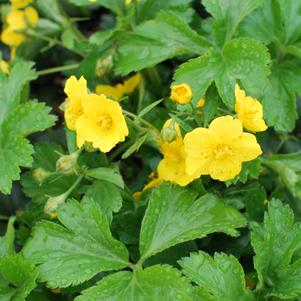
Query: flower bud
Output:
(181,94)
(169,133)
(67,164)
(103,66)
(52,204)
(40,174)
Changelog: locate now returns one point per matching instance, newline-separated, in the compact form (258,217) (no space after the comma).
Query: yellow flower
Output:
(19,3)
(102,123)
(116,92)
(173,165)
(75,90)
(4,67)
(201,102)
(181,93)
(18,21)
(220,150)
(249,111)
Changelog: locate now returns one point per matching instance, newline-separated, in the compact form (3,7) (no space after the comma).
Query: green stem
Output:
(78,180)
(53,41)
(58,69)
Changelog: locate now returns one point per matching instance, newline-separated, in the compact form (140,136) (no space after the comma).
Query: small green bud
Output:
(103,66)
(169,133)
(52,204)
(40,174)
(67,164)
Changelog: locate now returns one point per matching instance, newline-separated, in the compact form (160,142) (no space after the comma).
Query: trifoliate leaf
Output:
(288,166)
(161,283)
(155,41)
(279,101)
(228,14)
(17,278)
(242,59)
(73,253)
(7,241)
(275,243)
(222,275)
(107,196)
(175,215)
(16,122)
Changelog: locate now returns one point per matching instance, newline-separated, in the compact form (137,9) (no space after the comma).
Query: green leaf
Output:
(242,59)
(275,243)
(155,41)
(279,101)
(175,215)
(288,166)
(73,253)
(7,241)
(264,23)
(107,196)
(149,8)
(134,147)
(114,5)
(145,110)
(222,275)
(111,175)
(291,16)
(161,283)
(17,278)
(16,122)
(228,14)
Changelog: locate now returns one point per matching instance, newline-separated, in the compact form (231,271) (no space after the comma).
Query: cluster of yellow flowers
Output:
(217,151)
(118,91)
(18,20)
(95,118)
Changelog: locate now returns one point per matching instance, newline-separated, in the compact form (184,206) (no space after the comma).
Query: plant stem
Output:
(58,69)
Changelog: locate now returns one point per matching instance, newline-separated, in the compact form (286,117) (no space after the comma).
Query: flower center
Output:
(221,151)
(181,91)
(105,121)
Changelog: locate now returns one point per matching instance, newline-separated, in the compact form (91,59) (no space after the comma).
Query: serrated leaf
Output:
(228,14)
(155,41)
(222,275)
(17,278)
(16,122)
(279,101)
(7,241)
(153,283)
(107,174)
(175,215)
(74,252)
(242,59)
(107,196)
(275,243)
(288,166)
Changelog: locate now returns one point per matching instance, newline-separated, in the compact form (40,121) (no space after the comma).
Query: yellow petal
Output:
(15,20)
(226,128)
(31,16)
(4,67)
(114,92)
(131,83)
(11,38)
(224,170)
(19,3)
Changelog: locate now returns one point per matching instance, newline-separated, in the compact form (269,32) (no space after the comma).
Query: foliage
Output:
(150,150)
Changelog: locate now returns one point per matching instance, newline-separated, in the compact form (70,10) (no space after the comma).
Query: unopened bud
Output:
(103,66)
(52,204)
(169,133)
(40,174)
(67,164)
(89,147)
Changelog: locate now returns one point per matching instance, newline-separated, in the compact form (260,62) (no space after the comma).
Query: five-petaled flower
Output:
(181,94)
(249,111)
(220,150)
(102,123)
